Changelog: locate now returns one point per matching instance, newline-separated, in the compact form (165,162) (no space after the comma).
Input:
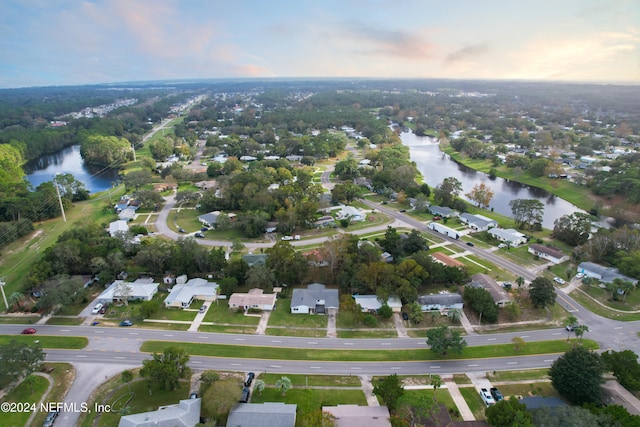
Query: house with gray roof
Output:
(118,227)
(268,414)
(443,301)
(358,416)
(255,259)
(478,222)
(371,303)
(486,282)
(211,219)
(550,253)
(602,273)
(182,295)
(184,414)
(142,289)
(443,211)
(509,235)
(315,299)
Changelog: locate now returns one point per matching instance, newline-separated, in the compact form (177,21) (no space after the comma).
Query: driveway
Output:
(331,323)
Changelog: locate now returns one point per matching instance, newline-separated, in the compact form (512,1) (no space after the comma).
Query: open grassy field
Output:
(312,380)
(24,394)
(72,343)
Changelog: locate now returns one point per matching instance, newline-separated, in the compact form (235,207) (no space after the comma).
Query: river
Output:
(68,160)
(436,166)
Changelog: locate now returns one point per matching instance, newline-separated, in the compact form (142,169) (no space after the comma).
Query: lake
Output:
(436,166)
(68,160)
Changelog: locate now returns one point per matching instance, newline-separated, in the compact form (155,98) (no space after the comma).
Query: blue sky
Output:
(64,42)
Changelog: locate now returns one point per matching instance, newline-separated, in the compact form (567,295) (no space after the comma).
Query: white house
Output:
(315,299)
(478,222)
(140,290)
(184,414)
(602,273)
(550,253)
(182,295)
(441,302)
(510,236)
(371,303)
(359,416)
(118,227)
(443,229)
(351,213)
(254,299)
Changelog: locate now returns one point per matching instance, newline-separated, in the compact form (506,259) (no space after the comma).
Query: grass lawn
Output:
(312,380)
(163,325)
(47,341)
(529,389)
(23,394)
(461,379)
(221,314)
(596,308)
(282,316)
(283,353)
(309,400)
(288,332)
(474,401)
(233,329)
(62,375)
(19,320)
(65,321)
(378,333)
(529,374)
(442,397)
(165,313)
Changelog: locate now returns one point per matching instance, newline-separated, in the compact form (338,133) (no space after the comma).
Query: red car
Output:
(29,331)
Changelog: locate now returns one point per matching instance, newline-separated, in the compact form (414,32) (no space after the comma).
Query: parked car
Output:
(203,308)
(286,238)
(405,315)
(470,244)
(502,245)
(558,280)
(246,392)
(486,397)
(182,230)
(204,229)
(29,331)
(497,396)
(579,275)
(193,395)
(103,310)
(249,380)
(403,210)
(97,308)
(570,328)
(51,418)
(126,323)
(437,217)
(199,235)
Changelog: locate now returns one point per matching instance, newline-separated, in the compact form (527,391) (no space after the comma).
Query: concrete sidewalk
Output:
(463,408)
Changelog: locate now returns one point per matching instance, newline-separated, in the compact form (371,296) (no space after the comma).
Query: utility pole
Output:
(133,148)
(4,297)
(64,217)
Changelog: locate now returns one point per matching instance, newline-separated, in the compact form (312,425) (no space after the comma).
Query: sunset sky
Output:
(64,42)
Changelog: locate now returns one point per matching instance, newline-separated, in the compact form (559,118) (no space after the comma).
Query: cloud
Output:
(466,53)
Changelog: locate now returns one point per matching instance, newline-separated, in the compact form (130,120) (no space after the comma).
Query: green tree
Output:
(442,340)
(520,281)
(573,229)
(284,385)
(518,344)
(385,311)
(538,167)
(126,377)
(288,265)
(19,360)
(259,386)
(542,292)
(481,194)
(624,366)
(390,390)
(509,413)
(570,321)
(446,192)
(206,379)
(577,376)
(527,212)
(219,398)
(165,370)
(481,301)
(436,383)
(136,179)
(416,409)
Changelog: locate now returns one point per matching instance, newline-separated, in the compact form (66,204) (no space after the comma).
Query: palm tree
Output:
(520,281)
(284,385)
(570,323)
(259,386)
(436,382)
(15,299)
(580,330)
(126,377)
(454,314)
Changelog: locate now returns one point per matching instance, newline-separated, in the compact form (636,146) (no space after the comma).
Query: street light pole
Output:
(64,217)
(4,297)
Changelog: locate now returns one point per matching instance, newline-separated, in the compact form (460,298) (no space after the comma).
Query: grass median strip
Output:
(330,355)
(71,343)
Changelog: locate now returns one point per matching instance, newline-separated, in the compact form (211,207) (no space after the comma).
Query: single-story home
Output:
(478,222)
(184,414)
(182,295)
(371,303)
(255,259)
(510,236)
(358,416)
(118,227)
(550,253)
(445,259)
(315,299)
(602,273)
(442,301)
(351,213)
(499,295)
(211,219)
(386,257)
(324,221)
(254,299)
(443,211)
(268,414)
(140,290)
(127,214)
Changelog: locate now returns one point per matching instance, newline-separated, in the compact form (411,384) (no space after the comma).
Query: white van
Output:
(97,308)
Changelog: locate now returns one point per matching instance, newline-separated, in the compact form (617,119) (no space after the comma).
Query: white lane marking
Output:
(236,364)
(276,341)
(385,343)
(275,366)
(133,333)
(472,365)
(491,339)
(239,339)
(556,333)
(81,355)
(204,338)
(548,360)
(195,361)
(355,367)
(315,367)
(395,368)
(64,330)
(434,367)
(618,327)
(525,336)
(348,343)
(512,363)
(120,357)
(311,342)
(99,332)
(168,335)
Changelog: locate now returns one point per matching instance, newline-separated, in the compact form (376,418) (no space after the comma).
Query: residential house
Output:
(211,219)
(324,221)
(184,414)
(510,236)
(478,222)
(443,211)
(602,273)
(315,299)
(351,213)
(443,229)
(550,253)
(182,295)
(268,414)
(118,227)
(140,290)
(442,301)
(127,214)
(255,259)
(254,299)
(358,416)
(445,259)
(206,185)
(386,257)
(371,303)
(499,295)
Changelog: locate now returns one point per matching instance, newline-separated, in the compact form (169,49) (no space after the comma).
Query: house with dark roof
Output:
(499,295)
(602,273)
(358,416)
(315,299)
(268,414)
(443,211)
(550,253)
(442,302)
